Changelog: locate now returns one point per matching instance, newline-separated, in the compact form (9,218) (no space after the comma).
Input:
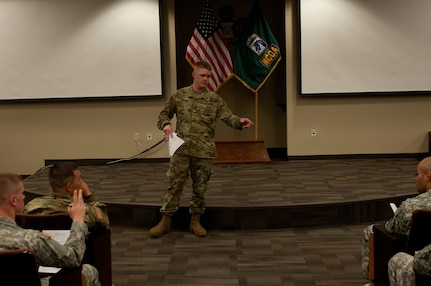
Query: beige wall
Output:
(356,125)
(33,132)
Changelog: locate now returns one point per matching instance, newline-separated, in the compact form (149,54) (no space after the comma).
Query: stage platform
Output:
(283,193)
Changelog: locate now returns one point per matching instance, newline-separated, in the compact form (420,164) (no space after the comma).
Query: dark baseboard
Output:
(419,156)
(89,162)
(274,154)
(277,153)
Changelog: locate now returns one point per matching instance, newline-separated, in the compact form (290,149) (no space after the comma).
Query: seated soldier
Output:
(400,221)
(48,252)
(64,178)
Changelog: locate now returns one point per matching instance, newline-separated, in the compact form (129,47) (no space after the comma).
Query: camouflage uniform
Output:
(400,270)
(48,251)
(399,223)
(96,216)
(402,267)
(422,261)
(196,115)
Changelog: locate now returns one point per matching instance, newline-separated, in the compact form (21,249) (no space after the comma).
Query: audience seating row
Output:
(98,253)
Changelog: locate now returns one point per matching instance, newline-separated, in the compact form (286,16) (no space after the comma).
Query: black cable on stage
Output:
(134,156)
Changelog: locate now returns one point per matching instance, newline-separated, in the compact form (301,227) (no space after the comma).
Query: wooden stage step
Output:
(241,151)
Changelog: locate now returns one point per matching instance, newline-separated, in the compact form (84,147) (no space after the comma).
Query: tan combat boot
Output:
(195,226)
(163,226)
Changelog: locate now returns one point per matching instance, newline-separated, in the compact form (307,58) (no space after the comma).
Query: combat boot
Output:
(163,227)
(196,227)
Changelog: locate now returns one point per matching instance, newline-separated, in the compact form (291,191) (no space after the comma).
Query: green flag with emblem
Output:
(257,52)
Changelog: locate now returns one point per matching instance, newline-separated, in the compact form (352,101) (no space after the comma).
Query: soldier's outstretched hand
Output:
(245,122)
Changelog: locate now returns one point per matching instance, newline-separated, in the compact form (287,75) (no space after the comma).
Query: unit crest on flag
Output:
(256,44)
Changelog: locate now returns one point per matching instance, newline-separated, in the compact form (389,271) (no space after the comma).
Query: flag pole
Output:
(256,112)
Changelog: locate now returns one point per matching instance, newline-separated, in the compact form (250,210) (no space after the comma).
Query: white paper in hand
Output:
(61,237)
(393,207)
(174,143)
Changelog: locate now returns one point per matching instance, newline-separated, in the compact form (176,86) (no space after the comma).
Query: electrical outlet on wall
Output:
(313,133)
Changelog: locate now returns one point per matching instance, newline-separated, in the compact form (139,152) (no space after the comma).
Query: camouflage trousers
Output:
(400,270)
(179,168)
(89,271)
(365,249)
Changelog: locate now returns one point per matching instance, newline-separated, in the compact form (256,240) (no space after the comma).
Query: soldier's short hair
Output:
(62,173)
(7,183)
(203,65)
(426,164)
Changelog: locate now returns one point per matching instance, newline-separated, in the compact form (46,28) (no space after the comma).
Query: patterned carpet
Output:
(321,254)
(300,256)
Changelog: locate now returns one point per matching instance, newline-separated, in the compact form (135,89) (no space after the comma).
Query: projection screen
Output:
(79,49)
(364,46)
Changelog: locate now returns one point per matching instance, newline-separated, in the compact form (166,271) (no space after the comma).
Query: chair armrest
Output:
(385,246)
(67,277)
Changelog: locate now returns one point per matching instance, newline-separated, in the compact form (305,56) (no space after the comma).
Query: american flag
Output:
(207,44)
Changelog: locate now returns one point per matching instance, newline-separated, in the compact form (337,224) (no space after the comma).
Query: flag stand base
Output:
(241,151)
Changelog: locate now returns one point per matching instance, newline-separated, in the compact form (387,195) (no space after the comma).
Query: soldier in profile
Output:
(64,178)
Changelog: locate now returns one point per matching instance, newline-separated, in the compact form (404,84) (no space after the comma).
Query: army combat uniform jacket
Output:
(197,115)
(400,222)
(48,251)
(96,216)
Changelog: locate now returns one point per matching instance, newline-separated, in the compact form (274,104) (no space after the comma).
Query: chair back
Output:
(99,254)
(19,267)
(420,231)
(44,221)
(387,244)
